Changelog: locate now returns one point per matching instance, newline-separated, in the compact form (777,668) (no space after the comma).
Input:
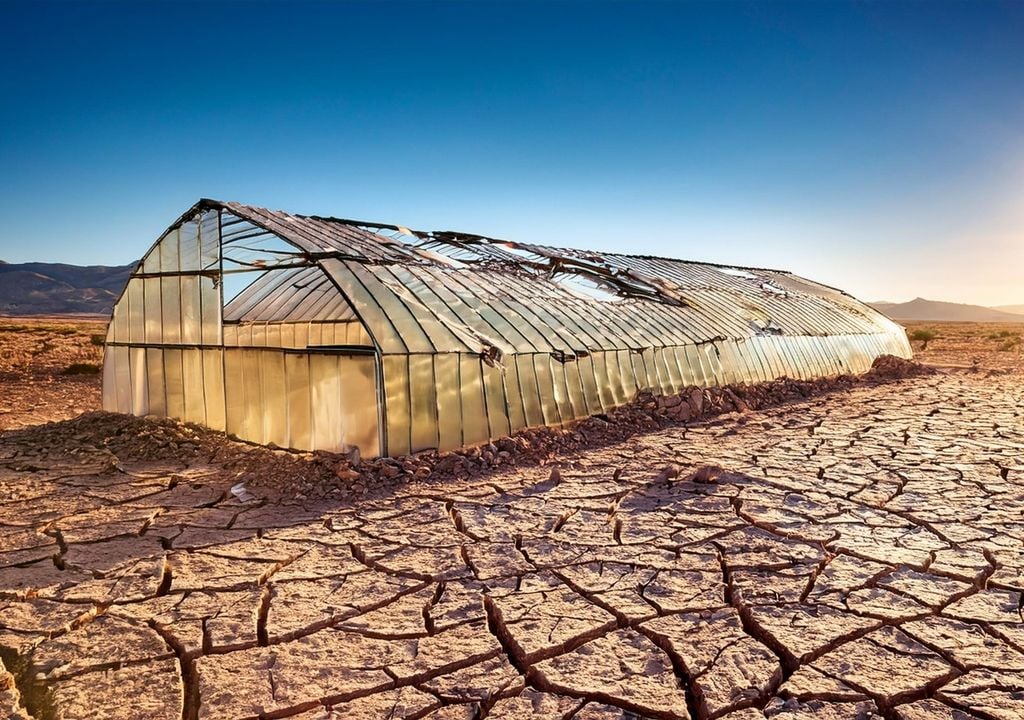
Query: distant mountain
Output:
(937,311)
(1010,308)
(54,288)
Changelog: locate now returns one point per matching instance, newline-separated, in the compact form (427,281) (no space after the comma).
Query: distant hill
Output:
(55,288)
(1010,308)
(937,311)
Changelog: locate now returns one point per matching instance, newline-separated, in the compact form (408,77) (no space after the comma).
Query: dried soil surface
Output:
(35,356)
(851,554)
(978,345)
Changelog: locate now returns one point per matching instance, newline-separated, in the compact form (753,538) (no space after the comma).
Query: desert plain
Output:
(853,552)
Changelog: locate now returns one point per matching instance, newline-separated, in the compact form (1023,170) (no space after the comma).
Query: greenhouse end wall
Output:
(170,354)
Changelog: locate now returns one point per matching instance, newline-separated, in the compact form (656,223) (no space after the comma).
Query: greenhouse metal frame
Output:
(319,333)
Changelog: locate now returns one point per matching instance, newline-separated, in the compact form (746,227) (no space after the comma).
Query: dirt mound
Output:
(113,440)
(890,367)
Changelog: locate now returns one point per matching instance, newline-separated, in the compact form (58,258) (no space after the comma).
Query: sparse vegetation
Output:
(98,339)
(82,368)
(46,347)
(923,336)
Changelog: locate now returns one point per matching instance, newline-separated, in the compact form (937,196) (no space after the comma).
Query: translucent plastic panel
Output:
(379,324)
(424,402)
(789,365)
(191,311)
(750,362)
(329,334)
(153,312)
(169,252)
(170,290)
(665,385)
(210,301)
(188,247)
(791,346)
(118,328)
(122,378)
(358,335)
(510,378)
(497,412)
(684,366)
(288,335)
(175,384)
(155,382)
(634,372)
(396,392)
(109,383)
(546,387)
(316,334)
(209,240)
(273,336)
(135,295)
(325,401)
(604,390)
(824,360)
(818,364)
(408,317)
(359,403)
(195,387)
(783,357)
(646,373)
(732,373)
(561,391)
(573,383)
(531,392)
(590,392)
(251,427)
(151,262)
(449,406)
(771,355)
(213,382)
(234,390)
(274,396)
(139,380)
(296,368)
(711,362)
(475,428)
(752,352)
(614,378)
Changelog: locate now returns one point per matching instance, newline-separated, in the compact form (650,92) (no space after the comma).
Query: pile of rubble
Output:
(302,476)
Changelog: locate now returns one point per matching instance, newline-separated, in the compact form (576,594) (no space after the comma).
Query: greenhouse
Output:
(318,333)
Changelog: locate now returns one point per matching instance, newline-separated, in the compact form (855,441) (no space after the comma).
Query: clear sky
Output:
(878,147)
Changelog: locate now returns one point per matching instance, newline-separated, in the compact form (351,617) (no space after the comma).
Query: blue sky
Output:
(878,147)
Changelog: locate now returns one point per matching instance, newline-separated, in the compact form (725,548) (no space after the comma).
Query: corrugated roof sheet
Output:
(442,291)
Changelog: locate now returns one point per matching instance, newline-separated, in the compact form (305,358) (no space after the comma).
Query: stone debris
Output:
(843,549)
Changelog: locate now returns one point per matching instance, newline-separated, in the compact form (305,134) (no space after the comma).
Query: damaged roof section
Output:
(445,291)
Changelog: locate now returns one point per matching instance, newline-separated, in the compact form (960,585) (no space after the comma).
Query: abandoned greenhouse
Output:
(320,333)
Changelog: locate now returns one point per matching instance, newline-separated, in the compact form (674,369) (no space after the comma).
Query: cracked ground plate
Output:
(859,554)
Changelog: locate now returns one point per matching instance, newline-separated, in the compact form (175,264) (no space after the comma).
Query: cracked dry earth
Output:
(857,555)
